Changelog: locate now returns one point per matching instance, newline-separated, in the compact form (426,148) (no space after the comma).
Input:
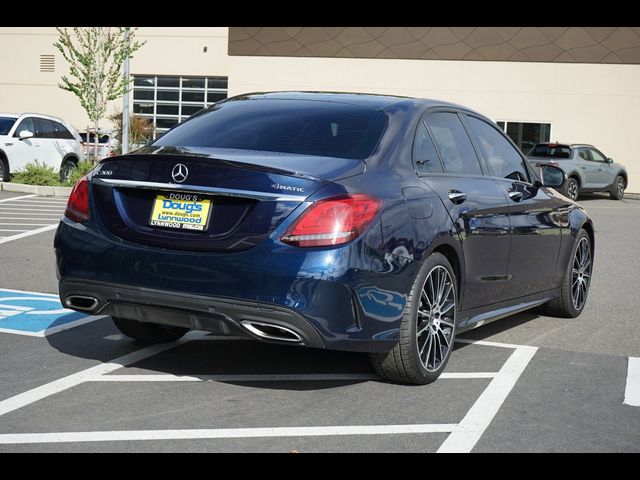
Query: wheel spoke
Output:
(444,335)
(426,340)
(432,288)
(445,296)
(446,322)
(445,310)
(422,330)
(425,297)
(441,283)
(426,357)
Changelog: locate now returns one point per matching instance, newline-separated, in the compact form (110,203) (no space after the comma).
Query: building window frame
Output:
(503,125)
(206,90)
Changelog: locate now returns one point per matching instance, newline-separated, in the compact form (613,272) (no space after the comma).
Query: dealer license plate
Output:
(181,211)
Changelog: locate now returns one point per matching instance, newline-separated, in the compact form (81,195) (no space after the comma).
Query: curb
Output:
(36,189)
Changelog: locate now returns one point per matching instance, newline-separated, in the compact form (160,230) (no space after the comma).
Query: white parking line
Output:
(16,198)
(57,386)
(632,389)
(306,377)
(52,330)
(29,233)
(129,435)
(486,407)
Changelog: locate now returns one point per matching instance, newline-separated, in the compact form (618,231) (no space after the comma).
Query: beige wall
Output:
(591,103)
(168,51)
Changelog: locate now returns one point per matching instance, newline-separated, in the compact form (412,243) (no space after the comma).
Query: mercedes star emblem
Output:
(179,173)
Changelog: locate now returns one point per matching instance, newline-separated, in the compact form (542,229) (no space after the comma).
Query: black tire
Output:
(66,168)
(617,189)
(4,170)
(564,306)
(404,364)
(571,188)
(149,332)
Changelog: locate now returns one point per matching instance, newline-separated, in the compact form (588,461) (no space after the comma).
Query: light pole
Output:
(125,100)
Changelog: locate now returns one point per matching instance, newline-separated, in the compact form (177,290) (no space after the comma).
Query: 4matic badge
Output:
(287,188)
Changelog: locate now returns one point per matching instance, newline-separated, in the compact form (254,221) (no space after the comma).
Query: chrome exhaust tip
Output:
(82,302)
(271,331)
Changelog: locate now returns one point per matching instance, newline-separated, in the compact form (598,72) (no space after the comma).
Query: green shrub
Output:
(81,170)
(37,174)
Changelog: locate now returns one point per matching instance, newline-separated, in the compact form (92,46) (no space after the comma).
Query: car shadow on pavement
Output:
(205,357)
(208,357)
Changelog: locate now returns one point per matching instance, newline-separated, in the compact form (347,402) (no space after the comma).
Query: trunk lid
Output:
(239,197)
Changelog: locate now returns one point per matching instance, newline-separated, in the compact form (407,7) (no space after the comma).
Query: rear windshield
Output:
(288,126)
(556,151)
(5,125)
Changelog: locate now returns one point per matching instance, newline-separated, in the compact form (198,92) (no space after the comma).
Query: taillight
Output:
(332,221)
(78,204)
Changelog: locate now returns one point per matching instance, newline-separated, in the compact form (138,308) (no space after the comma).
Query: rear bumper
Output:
(218,315)
(348,298)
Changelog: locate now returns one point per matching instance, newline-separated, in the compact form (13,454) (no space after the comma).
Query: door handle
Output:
(457,197)
(515,196)
(583,167)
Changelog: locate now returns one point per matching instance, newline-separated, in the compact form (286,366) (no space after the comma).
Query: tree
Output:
(95,56)
(141,130)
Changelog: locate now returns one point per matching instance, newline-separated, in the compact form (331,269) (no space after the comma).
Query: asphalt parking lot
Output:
(527,383)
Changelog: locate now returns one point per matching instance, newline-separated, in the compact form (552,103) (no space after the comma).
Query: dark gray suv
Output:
(587,168)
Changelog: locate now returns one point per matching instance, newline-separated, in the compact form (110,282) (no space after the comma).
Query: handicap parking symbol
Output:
(31,313)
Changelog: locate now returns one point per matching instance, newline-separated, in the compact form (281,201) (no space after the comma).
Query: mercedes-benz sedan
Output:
(354,222)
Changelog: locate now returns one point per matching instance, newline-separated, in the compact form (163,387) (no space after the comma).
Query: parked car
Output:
(354,222)
(106,144)
(586,167)
(30,137)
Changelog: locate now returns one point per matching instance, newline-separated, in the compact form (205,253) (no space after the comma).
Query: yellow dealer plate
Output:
(181,211)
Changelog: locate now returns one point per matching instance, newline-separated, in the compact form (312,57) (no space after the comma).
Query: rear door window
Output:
(456,150)
(62,132)
(425,156)
(503,160)
(44,128)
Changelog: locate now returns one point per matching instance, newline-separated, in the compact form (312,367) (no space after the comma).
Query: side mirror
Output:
(25,134)
(552,176)
(609,160)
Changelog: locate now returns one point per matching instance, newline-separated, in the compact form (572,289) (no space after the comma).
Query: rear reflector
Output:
(332,221)
(78,204)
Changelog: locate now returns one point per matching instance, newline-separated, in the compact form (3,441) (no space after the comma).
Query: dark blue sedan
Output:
(354,222)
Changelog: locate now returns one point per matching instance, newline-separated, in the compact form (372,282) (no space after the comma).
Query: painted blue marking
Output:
(33,312)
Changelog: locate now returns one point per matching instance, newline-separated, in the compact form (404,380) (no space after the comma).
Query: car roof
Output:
(10,115)
(371,100)
(570,145)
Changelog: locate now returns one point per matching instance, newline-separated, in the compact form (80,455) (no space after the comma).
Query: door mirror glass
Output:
(25,134)
(552,176)
(609,160)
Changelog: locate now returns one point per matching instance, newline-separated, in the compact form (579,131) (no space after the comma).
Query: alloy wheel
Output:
(436,318)
(581,274)
(620,187)
(572,190)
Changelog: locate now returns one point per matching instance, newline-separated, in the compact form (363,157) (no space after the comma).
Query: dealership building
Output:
(565,84)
